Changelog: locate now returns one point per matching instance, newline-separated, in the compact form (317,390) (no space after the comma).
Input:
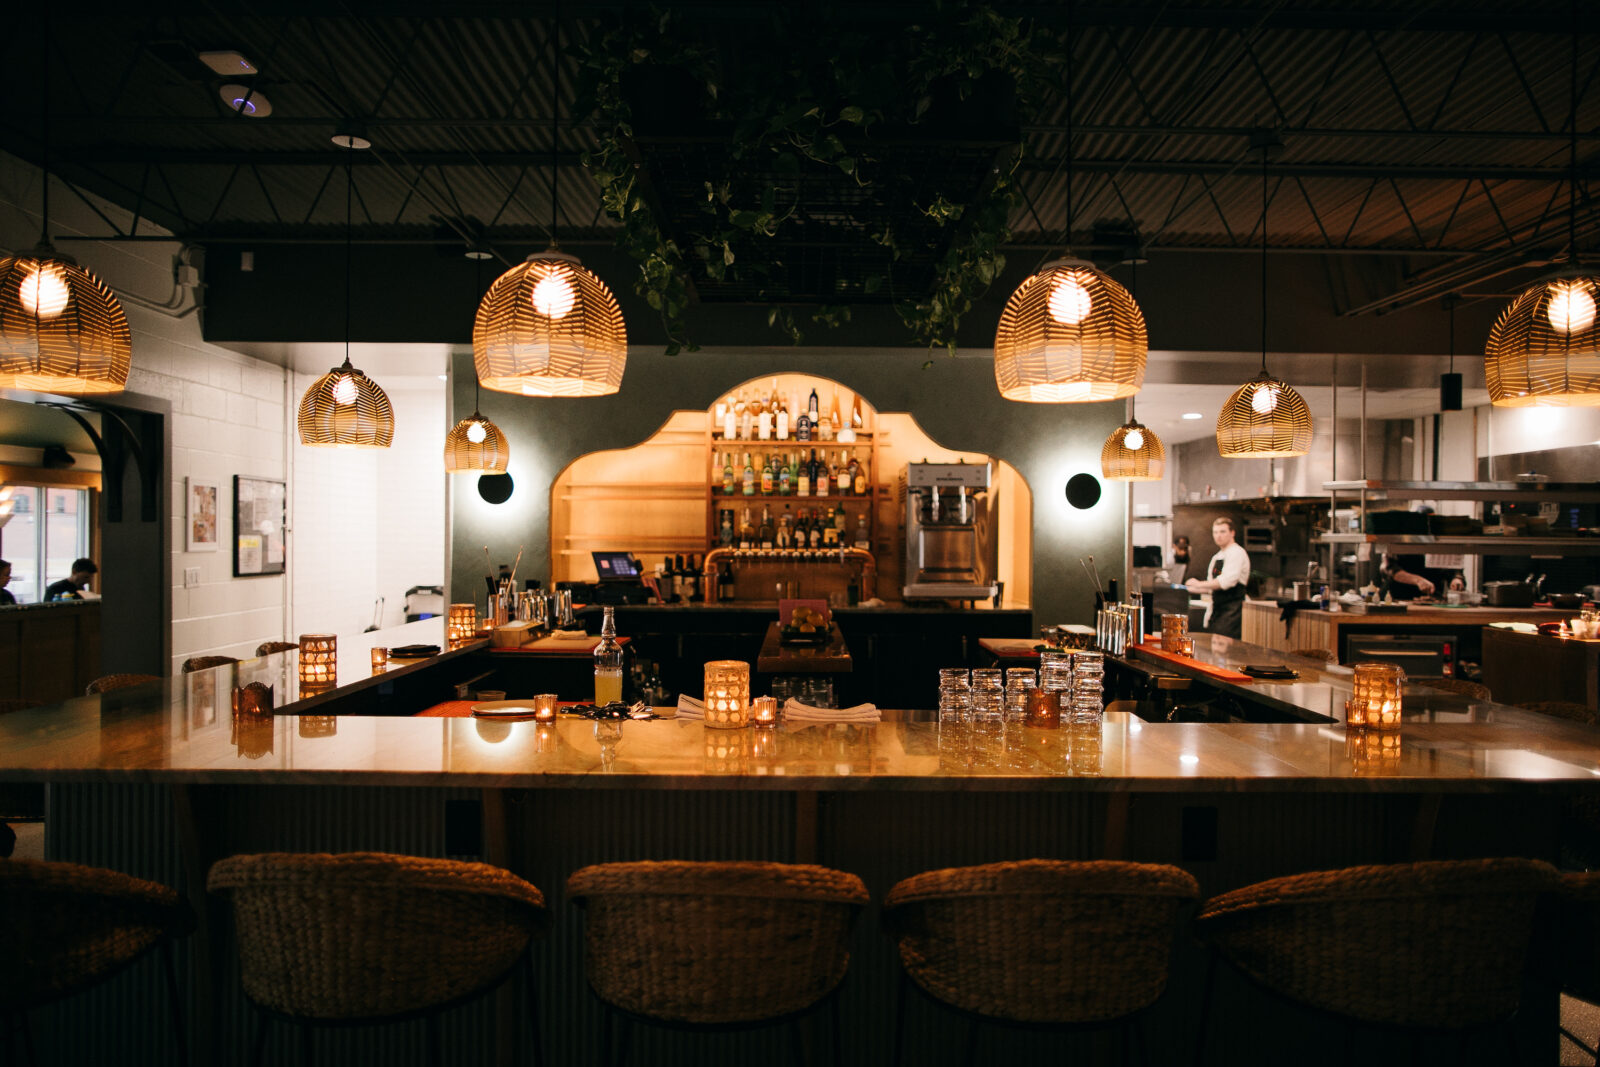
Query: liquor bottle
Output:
(749,477)
(747,530)
(730,424)
(863,535)
(739,409)
(822,428)
(768,477)
(781,423)
(767,534)
(725,529)
(764,424)
(846,480)
(608,661)
(839,519)
(858,476)
(727,474)
(812,409)
(821,480)
(747,424)
(691,579)
(786,529)
(772,397)
(785,476)
(815,537)
(802,530)
(725,581)
(803,475)
(802,427)
(855,413)
(680,580)
(833,413)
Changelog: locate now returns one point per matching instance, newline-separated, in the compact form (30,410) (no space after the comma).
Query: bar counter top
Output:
(182,731)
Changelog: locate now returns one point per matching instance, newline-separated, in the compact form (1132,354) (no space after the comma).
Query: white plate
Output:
(510,709)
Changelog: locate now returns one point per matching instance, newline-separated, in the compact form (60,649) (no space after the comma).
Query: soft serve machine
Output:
(952,551)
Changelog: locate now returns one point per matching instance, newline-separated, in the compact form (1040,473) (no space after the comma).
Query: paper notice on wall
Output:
(1443,561)
(249,554)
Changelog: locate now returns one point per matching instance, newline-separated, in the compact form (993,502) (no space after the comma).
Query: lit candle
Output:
(764,711)
(727,689)
(544,707)
(380,659)
(319,664)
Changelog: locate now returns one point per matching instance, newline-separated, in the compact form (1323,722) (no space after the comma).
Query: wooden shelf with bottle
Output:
(718,441)
(778,502)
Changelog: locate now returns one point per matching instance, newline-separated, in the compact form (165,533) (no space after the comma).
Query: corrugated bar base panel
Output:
(1225,839)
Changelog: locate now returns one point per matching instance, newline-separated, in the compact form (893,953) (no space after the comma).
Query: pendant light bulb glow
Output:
(1133,453)
(1070,302)
(475,445)
(1264,401)
(1571,308)
(43,291)
(553,297)
(1134,439)
(344,390)
(476,433)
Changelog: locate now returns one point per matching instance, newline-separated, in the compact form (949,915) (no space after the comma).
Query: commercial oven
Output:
(1419,655)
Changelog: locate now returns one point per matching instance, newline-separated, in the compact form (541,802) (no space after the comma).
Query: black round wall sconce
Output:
(1083,491)
(496,488)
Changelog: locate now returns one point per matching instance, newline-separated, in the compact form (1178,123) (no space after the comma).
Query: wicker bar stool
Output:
(715,946)
(206,663)
(65,928)
(267,648)
(1470,690)
(1323,654)
(1043,944)
(1436,946)
(1562,709)
(367,937)
(1571,944)
(110,682)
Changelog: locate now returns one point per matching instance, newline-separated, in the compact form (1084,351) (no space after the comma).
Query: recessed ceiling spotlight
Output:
(245,100)
(229,64)
(1191,415)
(351,135)
(444,377)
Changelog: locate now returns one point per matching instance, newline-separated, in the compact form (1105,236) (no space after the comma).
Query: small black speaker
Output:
(1449,392)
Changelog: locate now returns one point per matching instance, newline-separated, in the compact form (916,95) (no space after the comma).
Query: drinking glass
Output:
(955,695)
(988,695)
(1055,671)
(1018,681)
(1088,686)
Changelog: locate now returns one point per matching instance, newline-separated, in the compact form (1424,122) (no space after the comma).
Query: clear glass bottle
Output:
(608,661)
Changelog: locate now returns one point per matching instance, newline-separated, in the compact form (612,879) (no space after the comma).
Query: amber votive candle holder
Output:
(1375,703)
(319,659)
(727,694)
(544,707)
(380,659)
(252,699)
(1175,633)
(1042,709)
(764,711)
(462,622)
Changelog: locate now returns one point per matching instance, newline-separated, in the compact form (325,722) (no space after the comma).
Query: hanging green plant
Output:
(834,133)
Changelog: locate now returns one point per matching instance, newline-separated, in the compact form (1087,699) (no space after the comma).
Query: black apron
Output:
(1227,606)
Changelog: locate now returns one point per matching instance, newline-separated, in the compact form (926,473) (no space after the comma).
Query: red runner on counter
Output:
(1210,670)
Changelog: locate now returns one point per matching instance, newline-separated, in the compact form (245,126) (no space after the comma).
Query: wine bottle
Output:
(727,474)
(811,407)
(803,476)
(815,538)
(821,480)
(749,477)
(766,534)
(785,476)
(858,475)
(842,473)
(768,477)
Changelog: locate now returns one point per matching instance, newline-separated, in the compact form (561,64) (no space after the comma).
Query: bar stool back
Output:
(1039,942)
(1470,690)
(1437,945)
(715,945)
(65,928)
(267,648)
(206,663)
(368,937)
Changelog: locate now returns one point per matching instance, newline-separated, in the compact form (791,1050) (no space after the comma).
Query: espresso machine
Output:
(952,551)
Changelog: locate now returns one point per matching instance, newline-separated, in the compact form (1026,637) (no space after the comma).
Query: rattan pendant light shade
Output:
(1070,334)
(346,409)
(1544,350)
(1264,419)
(1133,453)
(61,329)
(548,327)
(476,446)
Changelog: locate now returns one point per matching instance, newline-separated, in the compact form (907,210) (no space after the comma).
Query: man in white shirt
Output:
(1227,575)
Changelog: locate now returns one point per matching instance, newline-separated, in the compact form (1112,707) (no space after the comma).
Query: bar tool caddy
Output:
(952,548)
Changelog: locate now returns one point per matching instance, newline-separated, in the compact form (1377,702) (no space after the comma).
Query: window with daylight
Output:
(49,528)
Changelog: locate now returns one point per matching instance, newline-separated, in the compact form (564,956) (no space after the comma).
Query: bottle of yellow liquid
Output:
(608,662)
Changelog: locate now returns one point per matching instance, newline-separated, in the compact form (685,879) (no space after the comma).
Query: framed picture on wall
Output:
(258,515)
(203,515)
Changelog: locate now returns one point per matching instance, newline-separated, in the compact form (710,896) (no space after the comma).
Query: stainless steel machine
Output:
(952,550)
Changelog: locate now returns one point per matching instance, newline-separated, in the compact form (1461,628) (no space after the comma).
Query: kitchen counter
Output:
(1315,628)
(1527,667)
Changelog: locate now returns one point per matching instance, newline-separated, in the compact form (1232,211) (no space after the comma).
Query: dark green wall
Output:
(955,402)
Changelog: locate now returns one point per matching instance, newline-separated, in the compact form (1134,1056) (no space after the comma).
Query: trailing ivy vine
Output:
(813,100)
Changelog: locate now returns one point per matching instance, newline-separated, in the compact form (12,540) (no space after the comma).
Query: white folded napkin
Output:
(690,708)
(795,711)
(568,635)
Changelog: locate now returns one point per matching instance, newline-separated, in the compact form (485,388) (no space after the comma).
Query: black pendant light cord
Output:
(1263,255)
(1572,148)
(44,133)
(1452,337)
(555,122)
(348,189)
(1067,229)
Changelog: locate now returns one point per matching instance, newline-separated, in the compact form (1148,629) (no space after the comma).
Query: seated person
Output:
(5,580)
(71,588)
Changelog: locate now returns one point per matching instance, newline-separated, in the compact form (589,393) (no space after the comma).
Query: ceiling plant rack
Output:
(850,166)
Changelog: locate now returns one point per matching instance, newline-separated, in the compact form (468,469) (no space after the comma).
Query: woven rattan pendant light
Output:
(1544,350)
(1133,452)
(61,329)
(344,408)
(1070,334)
(549,327)
(1264,418)
(475,445)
